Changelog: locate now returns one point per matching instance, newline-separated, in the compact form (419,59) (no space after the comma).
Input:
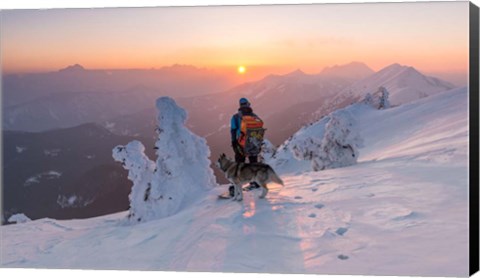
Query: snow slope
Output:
(402,210)
(404,83)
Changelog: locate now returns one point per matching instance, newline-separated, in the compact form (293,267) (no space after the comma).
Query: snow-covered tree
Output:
(140,172)
(384,94)
(180,174)
(337,148)
(19,218)
(306,149)
(340,143)
(379,99)
(268,151)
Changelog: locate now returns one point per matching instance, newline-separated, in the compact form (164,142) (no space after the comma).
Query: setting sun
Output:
(241,69)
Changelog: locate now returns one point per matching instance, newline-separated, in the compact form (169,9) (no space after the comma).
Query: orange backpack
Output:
(251,134)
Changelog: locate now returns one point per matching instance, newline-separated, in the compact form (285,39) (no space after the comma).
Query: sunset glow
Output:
(273,40)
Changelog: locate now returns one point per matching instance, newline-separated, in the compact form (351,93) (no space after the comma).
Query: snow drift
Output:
(181,173)
(19,218)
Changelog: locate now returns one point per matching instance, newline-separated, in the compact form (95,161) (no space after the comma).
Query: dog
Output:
(241,173)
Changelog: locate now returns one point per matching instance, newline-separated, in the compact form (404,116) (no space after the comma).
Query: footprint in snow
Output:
(342,257)
(314,189)
(312,215)
(319,206)
(298,197)
(341,231)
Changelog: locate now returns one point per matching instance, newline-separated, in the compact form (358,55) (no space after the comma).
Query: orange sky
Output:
(433,37)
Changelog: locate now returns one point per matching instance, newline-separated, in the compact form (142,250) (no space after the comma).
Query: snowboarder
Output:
(239,138)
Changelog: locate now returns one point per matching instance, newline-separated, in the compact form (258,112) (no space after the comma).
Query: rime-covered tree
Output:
(181,173)
(140,172)
(384,103)
(268,151)
(340,144)
(379,99)
(337,148)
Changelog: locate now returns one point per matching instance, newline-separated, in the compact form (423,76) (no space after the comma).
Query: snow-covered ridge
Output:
(376,126)
(404,83)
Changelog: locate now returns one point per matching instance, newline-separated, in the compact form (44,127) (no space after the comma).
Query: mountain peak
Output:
(73,68)
(297,72)
(404,83)
(400,69)
(395,66)
(355,70)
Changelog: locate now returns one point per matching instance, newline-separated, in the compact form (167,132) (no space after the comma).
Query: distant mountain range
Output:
(283,102)
(68,169)
(22,88)
(62,110)
(287,102)
(74,95)
(64,173)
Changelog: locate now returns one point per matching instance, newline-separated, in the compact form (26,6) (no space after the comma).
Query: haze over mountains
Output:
(353,71)
(75,95)
(119,105)
(21,88)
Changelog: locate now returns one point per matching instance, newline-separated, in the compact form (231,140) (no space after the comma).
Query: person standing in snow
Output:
(235,124)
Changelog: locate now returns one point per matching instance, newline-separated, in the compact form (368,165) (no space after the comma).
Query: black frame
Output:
(474,139)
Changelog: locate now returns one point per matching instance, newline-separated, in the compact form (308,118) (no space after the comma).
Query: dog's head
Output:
(222,161)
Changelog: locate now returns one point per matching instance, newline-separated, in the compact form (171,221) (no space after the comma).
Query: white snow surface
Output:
(50,175)
(401,210)
(19,218)
(404,83)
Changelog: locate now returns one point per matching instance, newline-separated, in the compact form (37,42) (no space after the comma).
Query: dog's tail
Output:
(274,177)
